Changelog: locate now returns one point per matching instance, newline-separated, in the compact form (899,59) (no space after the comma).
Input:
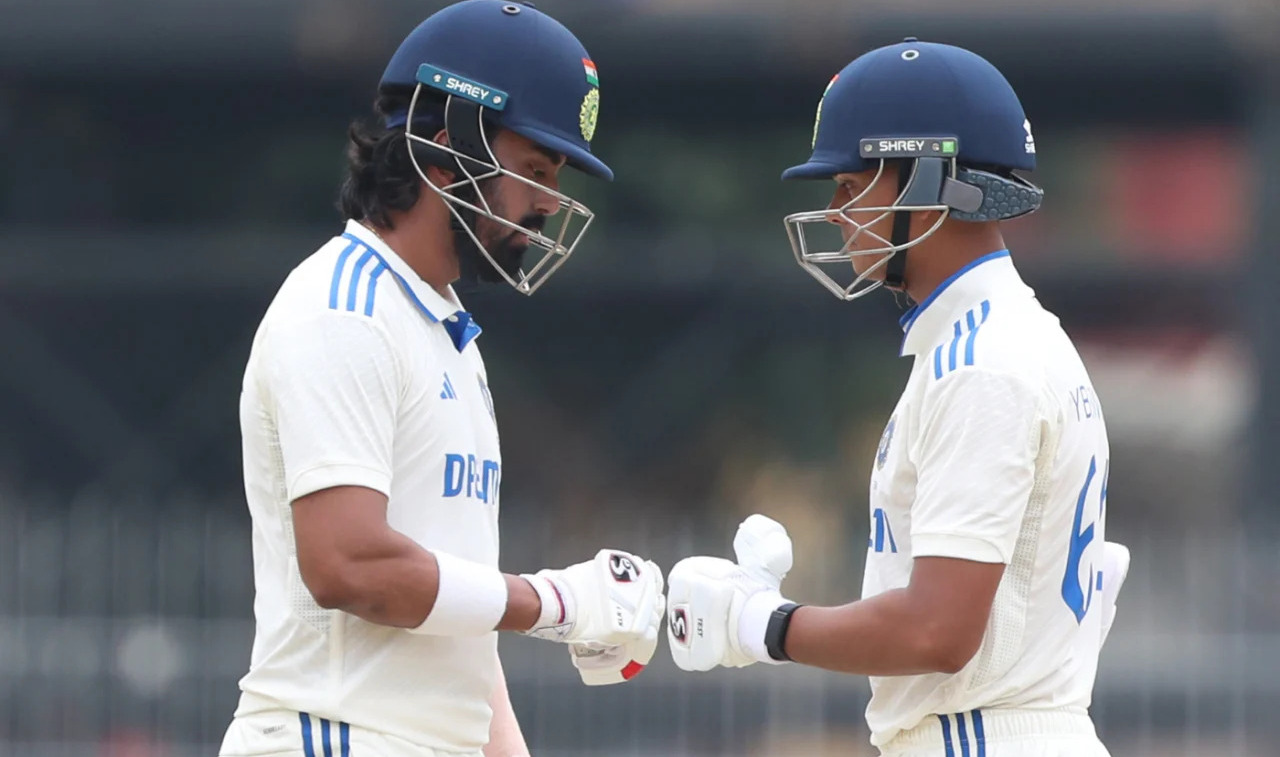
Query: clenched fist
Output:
(718,609)
(608,609)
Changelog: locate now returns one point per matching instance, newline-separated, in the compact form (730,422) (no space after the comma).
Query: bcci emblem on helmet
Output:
(623,568)
(588,113)
(817,119)
(484,65)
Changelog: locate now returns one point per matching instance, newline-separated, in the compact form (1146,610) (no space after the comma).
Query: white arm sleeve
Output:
(334,384)
(980,434)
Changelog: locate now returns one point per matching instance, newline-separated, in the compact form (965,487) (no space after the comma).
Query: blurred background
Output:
(166,162)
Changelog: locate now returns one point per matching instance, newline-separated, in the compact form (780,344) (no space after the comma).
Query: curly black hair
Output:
(381,179)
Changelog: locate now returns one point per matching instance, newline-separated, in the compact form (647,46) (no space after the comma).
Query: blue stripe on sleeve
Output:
(354,286)
(337,274)
(951,354)
(973,331)
(373,286)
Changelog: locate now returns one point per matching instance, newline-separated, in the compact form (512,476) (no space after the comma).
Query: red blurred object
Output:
(130,743)
(1179,197)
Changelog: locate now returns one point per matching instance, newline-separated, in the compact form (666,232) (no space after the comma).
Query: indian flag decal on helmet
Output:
(593,76)
(818,118)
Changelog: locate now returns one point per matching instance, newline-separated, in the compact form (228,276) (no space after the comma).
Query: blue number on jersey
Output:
(1079,597)
(877,541)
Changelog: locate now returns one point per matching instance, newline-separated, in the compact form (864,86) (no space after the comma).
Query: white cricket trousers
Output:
(1000,733)
(299,734)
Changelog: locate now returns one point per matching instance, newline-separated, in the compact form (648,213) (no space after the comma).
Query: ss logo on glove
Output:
(624,571)
(679,621)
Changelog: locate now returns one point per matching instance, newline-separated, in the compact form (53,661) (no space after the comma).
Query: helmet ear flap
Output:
(426,155)
(961,197)
(464,126)
(926,178)
(1003,198)
(465,131)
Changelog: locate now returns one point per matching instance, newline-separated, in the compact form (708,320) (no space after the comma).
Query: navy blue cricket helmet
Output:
(956,129)
(504,64)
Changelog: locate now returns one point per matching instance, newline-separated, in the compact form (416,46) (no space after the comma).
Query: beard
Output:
(506,251)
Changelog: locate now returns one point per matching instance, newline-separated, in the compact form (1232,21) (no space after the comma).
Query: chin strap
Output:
(896,269)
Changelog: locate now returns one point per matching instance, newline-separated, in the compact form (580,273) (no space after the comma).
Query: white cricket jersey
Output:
(362,374)
(996,453)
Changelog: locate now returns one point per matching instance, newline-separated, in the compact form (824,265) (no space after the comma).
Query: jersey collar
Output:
(460,324)
(989,276)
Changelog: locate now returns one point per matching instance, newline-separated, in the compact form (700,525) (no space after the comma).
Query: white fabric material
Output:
(470,600)
(753,623)
(996,452)
(278,733)
(556,605)
(354,380)
(1001,733)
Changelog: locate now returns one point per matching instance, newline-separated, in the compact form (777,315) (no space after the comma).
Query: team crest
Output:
(488,398)
(818,118)
(882,452)
(587,115)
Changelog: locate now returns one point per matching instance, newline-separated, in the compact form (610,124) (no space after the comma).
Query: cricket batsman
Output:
(989,587)
(371,455)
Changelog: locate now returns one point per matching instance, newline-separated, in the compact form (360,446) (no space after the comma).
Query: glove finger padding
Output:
(633,591)
(1115,569)
(603,666)
(763,549)
(659,608)
(698,601)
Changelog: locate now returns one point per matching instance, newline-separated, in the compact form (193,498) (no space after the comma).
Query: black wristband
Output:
(775,634)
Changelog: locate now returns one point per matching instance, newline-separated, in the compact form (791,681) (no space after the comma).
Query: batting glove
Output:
(719,610)
(1115,569)
(613,600)
(600,665)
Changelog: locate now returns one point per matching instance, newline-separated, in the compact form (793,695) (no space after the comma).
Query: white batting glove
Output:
(613,599)
(719,610)
(600,665)
(1115,569)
